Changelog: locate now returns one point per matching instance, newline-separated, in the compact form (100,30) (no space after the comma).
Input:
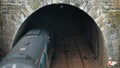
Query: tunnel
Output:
(75,39)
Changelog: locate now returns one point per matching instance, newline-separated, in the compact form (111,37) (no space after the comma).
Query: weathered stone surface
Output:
(14,12)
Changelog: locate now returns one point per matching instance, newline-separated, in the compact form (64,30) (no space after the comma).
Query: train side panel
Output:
(29,50)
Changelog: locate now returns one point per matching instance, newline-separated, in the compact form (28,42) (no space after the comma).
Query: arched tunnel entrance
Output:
(75,39)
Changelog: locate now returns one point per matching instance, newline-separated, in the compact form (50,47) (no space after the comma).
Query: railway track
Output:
(73,52)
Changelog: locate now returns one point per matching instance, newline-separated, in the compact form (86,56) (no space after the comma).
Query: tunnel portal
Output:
(75,38)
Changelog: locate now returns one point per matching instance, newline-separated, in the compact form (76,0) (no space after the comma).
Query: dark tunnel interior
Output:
(57,18)
(64,21)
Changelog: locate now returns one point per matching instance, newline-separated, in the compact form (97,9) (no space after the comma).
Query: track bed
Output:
(73,52)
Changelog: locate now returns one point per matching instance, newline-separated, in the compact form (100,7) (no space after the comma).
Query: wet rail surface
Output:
(73,52)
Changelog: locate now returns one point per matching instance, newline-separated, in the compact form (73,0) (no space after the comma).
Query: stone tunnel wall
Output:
(95,38)
(14,12)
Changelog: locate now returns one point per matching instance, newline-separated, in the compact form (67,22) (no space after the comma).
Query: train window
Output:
(27,43)
(33,32)
(22,49)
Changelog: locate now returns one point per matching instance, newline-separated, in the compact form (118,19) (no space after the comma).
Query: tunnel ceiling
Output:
(56,18)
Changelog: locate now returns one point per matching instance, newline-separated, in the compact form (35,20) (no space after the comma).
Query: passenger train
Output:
(29,52)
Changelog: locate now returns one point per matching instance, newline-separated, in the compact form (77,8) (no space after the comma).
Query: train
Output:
(29,52)
(38,33)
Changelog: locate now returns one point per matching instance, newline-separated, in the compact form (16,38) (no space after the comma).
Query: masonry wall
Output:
(0,38)
(14,12)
